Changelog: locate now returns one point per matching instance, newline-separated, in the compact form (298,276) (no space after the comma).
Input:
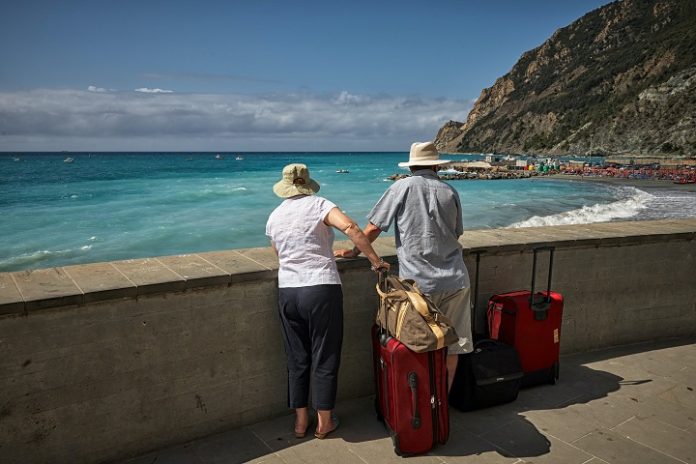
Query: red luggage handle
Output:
(541,308)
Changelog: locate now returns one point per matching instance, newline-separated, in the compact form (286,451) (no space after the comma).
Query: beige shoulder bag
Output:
(410,317)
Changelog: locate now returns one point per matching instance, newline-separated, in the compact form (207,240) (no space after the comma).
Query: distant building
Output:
(478,166)
(522,163)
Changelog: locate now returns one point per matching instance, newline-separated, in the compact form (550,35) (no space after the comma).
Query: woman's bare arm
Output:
(336,218)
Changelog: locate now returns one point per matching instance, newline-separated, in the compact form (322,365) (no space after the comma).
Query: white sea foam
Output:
(670,204)
(30,259)
(600,212)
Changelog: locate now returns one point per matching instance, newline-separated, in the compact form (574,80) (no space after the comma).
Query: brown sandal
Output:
(303,434)
(321,436)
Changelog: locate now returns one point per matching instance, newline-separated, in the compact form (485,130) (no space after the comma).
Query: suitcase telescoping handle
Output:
(382,279)
(541,307)
(382,282)
(476,288)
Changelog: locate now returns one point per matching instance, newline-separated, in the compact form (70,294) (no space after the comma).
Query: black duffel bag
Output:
(488,376)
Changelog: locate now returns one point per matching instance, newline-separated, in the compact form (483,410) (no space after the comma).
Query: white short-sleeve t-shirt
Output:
(303,241)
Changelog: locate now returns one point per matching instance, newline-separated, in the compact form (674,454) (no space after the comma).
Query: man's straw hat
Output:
(423,154)
(295,181)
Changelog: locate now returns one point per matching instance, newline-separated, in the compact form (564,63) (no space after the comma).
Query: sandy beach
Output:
(638,183)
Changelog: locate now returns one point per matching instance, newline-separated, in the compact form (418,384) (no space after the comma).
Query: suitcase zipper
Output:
(385,389)
(433,396)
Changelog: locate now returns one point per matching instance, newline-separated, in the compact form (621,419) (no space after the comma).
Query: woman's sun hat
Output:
(423,154)
(295,181)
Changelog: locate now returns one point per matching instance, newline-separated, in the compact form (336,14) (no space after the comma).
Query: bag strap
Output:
(421,306)
(382,311)
(494,316)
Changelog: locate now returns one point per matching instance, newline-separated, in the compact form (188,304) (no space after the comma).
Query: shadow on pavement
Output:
(505,430)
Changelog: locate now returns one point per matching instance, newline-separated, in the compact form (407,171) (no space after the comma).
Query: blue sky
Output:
(255,75)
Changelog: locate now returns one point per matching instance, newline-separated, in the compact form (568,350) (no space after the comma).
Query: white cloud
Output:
(146,90)
(93,88)
(47,119)
(345,98)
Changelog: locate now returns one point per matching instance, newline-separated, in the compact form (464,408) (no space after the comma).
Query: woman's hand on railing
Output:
(347,253)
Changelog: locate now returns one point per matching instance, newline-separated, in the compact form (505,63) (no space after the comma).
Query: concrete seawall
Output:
(104,361)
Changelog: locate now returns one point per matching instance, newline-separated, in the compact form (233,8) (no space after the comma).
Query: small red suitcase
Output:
(531,322)
(411,393)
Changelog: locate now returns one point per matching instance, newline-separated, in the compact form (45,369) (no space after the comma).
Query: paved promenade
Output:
(633,405)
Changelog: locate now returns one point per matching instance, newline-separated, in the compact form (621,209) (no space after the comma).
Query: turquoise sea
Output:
(111,206)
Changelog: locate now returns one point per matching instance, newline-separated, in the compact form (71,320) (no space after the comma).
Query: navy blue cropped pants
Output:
(312,322)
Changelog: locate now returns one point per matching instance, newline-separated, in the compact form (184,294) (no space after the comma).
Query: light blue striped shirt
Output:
(427,217)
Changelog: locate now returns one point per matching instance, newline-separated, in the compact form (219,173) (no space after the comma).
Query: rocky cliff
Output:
(620,80)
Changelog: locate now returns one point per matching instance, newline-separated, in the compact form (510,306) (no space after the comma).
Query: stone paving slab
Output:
(100,281)
(150,276)
(45,288)
(232,262)
(632,404)
(195,270)
(10,298)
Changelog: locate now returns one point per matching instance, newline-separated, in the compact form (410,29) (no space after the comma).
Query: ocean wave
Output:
(28,260)
(208,193)
(600,212)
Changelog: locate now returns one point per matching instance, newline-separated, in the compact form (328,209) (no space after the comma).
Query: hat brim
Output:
(286,190)
(407,164)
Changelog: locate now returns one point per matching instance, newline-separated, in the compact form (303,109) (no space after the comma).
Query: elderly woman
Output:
(310,300)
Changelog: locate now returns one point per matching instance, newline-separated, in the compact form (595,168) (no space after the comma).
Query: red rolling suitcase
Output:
(411,393)
(531,322)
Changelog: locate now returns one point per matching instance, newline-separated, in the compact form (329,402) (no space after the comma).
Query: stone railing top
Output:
(25,291)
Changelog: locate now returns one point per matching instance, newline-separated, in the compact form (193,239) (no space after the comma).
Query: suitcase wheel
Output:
(378,411)
(554,373)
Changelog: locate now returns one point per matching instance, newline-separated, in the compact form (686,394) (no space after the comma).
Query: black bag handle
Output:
(487,342)
(541,308)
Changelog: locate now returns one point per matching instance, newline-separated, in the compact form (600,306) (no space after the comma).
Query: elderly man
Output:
(427,217)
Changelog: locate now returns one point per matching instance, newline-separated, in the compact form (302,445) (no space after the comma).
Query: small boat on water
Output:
(239,158)
(15,158)
(219,157)
(68,160)
(342,171)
